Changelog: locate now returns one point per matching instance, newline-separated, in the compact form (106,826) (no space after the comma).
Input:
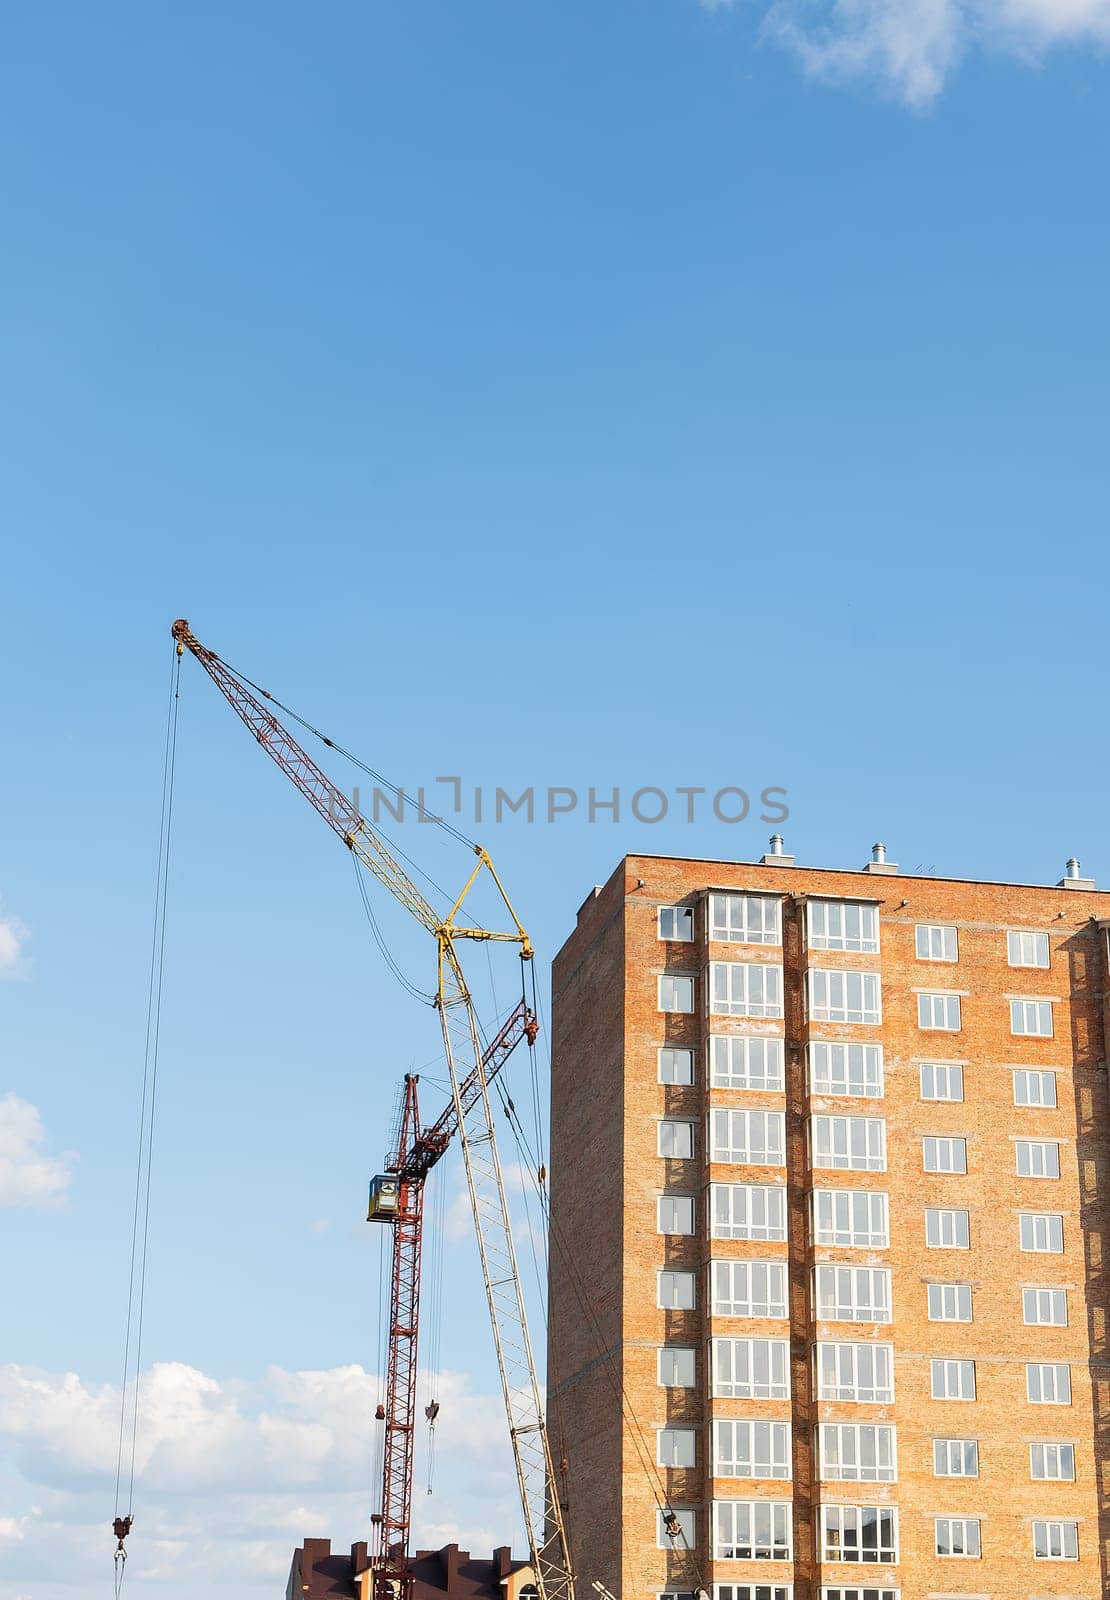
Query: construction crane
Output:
(397,1199)
(542,1512)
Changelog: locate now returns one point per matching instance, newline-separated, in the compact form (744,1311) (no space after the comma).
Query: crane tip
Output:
(179,629)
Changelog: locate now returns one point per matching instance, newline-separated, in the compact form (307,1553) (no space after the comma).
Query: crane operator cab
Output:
(385,1198)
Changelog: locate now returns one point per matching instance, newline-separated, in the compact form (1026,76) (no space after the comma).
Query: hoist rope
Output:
(140,1221)
(422,995)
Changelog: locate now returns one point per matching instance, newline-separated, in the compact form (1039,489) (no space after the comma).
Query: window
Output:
(1027,949)
(1031,1018)
(744,989)
(856,1452)
(944,1155)
(952,1380)
(751,1369)
(752,1530)
(955,1458)
(676,1530)
(1037,1158)
(853,1219)
(1056,1541)
(675,994)
(676,1066)
(857,1372)
(1042,1233)
(676,1213)
(1054,1463)
(939,1011)
(858,1533)
(748,1288)
(942,1080)
(957,1536)
(676,923)
(676,1140)
(675,1447)
(947,1230)
(747,1063)
(677,1367)
(745,919)
(848,1069)
(752,1591)
(852,1294)
(1047,1308)
(1034,1088)
(676,1291)
(844,996)
(842,925)
(751,1449)
(935,942)
(860,1594)
(747,1211)
(848,1144)
(748,1138)
(949,1302)
(1048,1383)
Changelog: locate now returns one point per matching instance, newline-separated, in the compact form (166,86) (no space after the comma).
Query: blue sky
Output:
(575,395)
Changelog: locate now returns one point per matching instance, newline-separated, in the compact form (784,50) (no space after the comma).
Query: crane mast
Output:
(543,1517)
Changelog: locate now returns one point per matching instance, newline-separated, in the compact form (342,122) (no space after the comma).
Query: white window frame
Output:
(688,1523)
(1028,1078)
(938,1076)
(1061,1379)
(674,1442)
(945,1149)
(852,1293)
(966,1531)
(850,1219)
(749,1288)
(1056,1458)
(747,1061)
(943,1231)
(939,1011)
(848,1068)
(1049,1307)
(727,1542)
(947,1367)
(676,1066)
(845,1383)
(755,1212)
(857,1452)
(948,1464)
(678,1280)
(671,988)
(669,1353)
(949,1302)
(738,918)
(753,1444)
(750,989)
(839,1143)
(1043,1153)
(855,1591)
(680,920)
(1028,1016)
(752,1591)
(1041,1233)
(751,1356)
(838,994)
(683,1205)
(684,1149)
(1024,947)
(842,925)
(742,1138)
(837,1518)
(937,941)
(1055,1532)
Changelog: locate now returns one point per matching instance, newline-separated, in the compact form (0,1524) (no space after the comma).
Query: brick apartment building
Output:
(830,1204)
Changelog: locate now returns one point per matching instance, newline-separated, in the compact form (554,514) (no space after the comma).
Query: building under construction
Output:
(829,1296)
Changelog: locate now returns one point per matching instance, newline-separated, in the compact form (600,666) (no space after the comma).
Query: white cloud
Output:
(28,1177)
(910,48)
(230,1476)
(13,937)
